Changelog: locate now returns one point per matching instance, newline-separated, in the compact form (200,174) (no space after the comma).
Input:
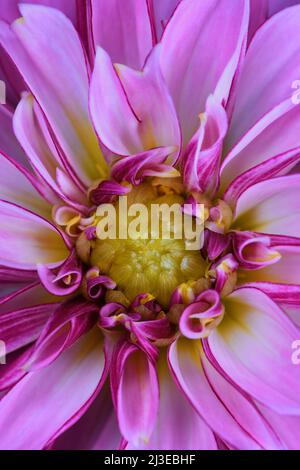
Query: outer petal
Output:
(44,401)
(285,271)
(178,425)
(258,15)
(9,8)
(255,207)
(161,11)
(8,142)
(135,392)
(63,95)
(230,413)
(27,239)
(129,120)
(277,5)
(253,345)
(22,327)
(123,29)
(97,429)
(191,74)
(17,186)
(261,88)
(275,134)
(31,130)
(203,153)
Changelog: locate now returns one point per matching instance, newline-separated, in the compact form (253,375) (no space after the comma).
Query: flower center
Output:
(149,261)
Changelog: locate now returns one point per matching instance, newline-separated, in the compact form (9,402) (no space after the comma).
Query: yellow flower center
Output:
(149,263)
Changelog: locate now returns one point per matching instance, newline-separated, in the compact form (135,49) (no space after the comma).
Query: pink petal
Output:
(178,425)
(27,239)
(267,87)
(230,413)
(202,156)
(33,134)
(274,135)
(162,11)
(258,15)
(129,120)
(44,41)
(123,30)
(10,11)
(67,322)
(255,207)
(217,27)
(45,401)
(8,142)
(17,186)
(285,271)
(277,5)
(253,345)
(97,429)
(21,327)
(135,388)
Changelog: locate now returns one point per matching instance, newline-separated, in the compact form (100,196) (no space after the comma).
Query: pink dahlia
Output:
(142,343)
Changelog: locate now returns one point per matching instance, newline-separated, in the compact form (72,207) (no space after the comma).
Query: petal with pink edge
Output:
(277,5)
(227,410)
(285,271)
(26,239)
(63,95)
(43,402)
(97,429)
(217,27)
(269,86)
(258,15)
(253,345)
(8,142)
(135,393)
(21,327)
(123,29)
(129,120)
(10,12)
(255,207)
(178,425)
(275,134)
(18,186)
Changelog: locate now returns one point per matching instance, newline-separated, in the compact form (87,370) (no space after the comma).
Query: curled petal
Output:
(66,325)
(150,163)
(202,315)
(202,156)
(253,251)
(106,190)
(63,280)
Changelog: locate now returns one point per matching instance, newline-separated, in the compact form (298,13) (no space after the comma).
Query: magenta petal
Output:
(66,324)
(126,31)
(136,394)
(217,27)
(97,429)
(45,402)
(178,425)
(201,161)
(230,413)
(253,345)
(21,327)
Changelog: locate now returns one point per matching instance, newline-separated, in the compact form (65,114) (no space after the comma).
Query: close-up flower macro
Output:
(113,334)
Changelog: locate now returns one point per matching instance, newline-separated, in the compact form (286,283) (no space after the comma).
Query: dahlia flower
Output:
(142,343)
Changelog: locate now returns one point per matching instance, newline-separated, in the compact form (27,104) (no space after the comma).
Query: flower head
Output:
(149,341)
